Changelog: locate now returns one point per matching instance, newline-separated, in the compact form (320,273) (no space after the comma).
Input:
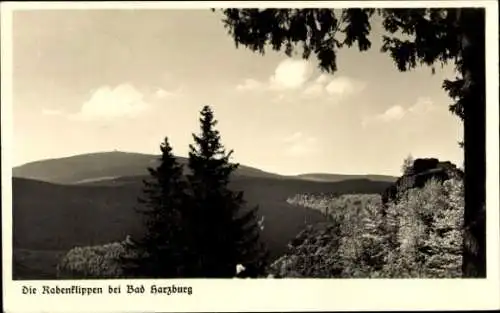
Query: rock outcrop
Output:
(420,173)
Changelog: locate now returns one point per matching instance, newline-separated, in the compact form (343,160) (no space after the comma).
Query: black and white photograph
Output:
(250,142)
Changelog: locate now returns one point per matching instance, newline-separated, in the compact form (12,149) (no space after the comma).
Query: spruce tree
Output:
(407,166)
(161,252)
(226,232)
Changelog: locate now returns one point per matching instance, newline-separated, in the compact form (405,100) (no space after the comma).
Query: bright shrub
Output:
(93,261)
(334,248)
(428,225)
(420,236)
(311,254)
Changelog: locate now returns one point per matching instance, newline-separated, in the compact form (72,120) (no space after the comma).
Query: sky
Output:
(90,81)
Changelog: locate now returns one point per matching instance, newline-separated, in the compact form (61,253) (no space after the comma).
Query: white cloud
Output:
(162,93)
(106,102)
(293,137)
(397,112)
(299,145)
(393,113)
(339,86)
(330,86)
(314,90)
(291,74)
(51,112)
(422,106)
(322,79)
(249,84)
(294,75)
(343,86)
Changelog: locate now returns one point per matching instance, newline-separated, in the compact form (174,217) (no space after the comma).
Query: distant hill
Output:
(339,177)
(105,166)
(102,166)
(49,219)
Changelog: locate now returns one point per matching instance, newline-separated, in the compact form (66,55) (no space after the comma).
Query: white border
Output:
(267,294)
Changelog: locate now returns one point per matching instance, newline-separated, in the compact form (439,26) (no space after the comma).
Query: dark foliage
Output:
(224,233)
(310,30)
(162,250)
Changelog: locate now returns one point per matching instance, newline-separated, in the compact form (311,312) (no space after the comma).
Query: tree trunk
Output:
(473,71)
